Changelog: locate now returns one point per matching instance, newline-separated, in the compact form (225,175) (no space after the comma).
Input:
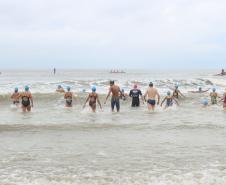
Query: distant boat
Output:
(117,71)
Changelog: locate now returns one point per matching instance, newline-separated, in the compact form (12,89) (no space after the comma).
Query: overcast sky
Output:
(112,33)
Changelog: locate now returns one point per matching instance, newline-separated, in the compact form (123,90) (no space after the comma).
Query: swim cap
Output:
(176,86)
(26,88)
(68,88)
(59,86)
(16,89)
(214,89)
(205,102)
(200,88)
(168,93)
(135,86)
(94,89)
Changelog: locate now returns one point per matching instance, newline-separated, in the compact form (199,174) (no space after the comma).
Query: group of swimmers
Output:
(150,96)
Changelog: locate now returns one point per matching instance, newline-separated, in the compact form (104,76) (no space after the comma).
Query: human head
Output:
(200,89)
(214,89)
(68,88)
(94,89)
(168,93)
(16,89)
(135,86)
(176,86)
(112,82)
(26,88)
(59,86)
(205,102)
(123,90)
(150,84)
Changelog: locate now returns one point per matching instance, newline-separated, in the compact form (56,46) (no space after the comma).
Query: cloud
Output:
(118,31)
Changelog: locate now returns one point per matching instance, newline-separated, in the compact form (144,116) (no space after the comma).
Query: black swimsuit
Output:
(25,101)
(92,101)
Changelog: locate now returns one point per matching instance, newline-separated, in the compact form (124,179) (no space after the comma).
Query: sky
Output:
(119,34)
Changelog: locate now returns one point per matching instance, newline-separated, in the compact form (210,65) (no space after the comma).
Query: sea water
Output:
(52,145)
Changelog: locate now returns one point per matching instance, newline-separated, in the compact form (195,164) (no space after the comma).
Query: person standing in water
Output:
(16,97)
(26,100)
(169,100)
(151,93)
(135,94)
(224,100)
(93,99)
(115,91)
(176,93)
(68,97)
(214,95)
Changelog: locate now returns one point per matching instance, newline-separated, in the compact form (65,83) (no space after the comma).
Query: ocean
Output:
(54,145)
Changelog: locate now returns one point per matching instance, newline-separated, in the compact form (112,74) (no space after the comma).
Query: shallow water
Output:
(57,146)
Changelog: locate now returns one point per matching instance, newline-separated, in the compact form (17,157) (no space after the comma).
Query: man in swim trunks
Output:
(26,100)
(68,97)
(115,91)
(214,95)
(93,98)
(169,100)
(151,93)
(16,97)
(60,89)
(135,94)
(176,93)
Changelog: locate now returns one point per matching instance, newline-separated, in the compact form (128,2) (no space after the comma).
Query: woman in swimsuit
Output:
(176,93)
(26,100)
(214,96)
(169,100)
(68,97)
(15,97)
(93,98)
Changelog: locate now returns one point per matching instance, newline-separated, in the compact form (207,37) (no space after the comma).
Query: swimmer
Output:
(123,95)
(222,73)
(205,103)
(115,99)
(176,93)
(200,90)
(16,97)
(135,94)
(26,100)
(60,89)
(224,100)
(214,96)
(169,100)
(93,98)
(151,93)
(68,97)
